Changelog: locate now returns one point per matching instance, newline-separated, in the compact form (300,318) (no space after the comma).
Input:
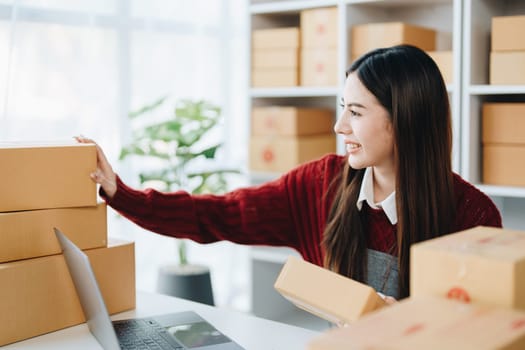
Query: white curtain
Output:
(79,67)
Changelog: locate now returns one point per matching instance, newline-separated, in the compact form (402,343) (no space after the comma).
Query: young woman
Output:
(356,214)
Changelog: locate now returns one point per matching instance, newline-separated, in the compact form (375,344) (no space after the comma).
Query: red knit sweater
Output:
(289,211)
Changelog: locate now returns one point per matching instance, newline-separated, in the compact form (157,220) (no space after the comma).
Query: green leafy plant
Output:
(176,142)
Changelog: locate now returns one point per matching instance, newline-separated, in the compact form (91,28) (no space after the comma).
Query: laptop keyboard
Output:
(144,334)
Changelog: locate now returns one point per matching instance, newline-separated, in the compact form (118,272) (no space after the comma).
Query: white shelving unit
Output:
(476,90)
(463,26)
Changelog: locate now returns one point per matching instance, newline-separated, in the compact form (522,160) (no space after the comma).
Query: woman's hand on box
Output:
(388,300)
(104,175)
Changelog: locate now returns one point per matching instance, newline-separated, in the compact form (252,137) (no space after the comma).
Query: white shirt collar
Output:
(367,194)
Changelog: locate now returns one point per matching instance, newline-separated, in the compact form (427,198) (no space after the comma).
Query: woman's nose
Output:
(342,125)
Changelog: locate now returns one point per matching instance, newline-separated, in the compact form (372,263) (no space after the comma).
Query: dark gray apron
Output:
(382,273)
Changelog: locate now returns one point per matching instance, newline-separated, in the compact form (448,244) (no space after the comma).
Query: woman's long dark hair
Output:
(408,84)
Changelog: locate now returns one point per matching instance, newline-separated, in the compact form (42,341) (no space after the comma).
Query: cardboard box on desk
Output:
(29,234)
(291,121)
(325,293)
(47,175)
(38,295)
(366,37)
(282,153)
(431,324)
(482,265)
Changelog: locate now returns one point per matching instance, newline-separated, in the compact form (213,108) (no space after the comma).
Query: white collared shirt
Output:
(367,194)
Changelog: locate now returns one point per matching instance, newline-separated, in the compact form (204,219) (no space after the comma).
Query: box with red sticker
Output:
(430,323)
(482,265)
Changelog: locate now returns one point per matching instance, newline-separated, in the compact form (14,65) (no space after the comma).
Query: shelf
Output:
(496,89)
(277,255)
(502,191)
(290,6)
(294,92)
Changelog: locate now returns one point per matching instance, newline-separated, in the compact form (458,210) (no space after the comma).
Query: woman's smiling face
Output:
(365,126)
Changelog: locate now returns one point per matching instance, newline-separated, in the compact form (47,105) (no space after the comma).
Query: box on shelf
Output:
(273,38)
(29,234)
(431,324)
(444,61)
(507,33)
(482,265)
(319,27)
(280,154)
(275,58)
(367,37)
(503,165)
(503,123)
(45,176)
(319,67)
(40,297)
(275,77)
(507,68)
(291,121)
(325,293)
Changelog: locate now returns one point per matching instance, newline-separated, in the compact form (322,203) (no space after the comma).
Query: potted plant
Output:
(176,143)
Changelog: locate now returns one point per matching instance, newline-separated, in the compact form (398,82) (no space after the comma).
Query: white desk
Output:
(250,332)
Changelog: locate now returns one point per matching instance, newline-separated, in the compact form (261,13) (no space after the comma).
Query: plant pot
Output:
(191,282)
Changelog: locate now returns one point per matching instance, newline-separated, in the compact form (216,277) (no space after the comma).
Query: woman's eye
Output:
(354,113)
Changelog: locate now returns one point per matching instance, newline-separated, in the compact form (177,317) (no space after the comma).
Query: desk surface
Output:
(250,332)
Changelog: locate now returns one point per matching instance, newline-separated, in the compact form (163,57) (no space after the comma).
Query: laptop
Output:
(180,330)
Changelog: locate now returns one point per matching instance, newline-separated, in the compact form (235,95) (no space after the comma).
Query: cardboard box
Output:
(505,35)
(503,123)
(39,296)
(430,324)
(482,265)
(275,77)
(507,68)
(444,61)
(44,176)
(291,121)
(503,164)
(319,67)
(275,58)
(273,38)
(325,293)
(367,37)
(29,234)
(319,27)
(279,154)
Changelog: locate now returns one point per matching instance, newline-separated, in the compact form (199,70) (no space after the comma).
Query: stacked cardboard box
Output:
(467,291)
(284,137)
(507,57)
(503,140)
(275,57)
(319,42)
(366,37)
(46,186)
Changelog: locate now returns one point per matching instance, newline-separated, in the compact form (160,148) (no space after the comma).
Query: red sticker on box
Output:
(458,294)
(268,155)
(320,29)
(414,328)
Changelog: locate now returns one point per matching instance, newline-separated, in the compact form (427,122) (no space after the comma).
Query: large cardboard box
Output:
(482,265)
(430,324)
(325,293)
(44,176)
(507,33)
(275,58)
(273,77)
(319,27)
(279,154)
(272,38)
(503,123)
(366,37)
(38,295)
(503,164)
(319,67)
(291,121)
(444,61)
(29,234)
(507,68)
